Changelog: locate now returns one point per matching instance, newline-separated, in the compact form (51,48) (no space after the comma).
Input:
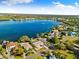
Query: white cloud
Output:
(14,2)
(59,8)
(56,3)
(56,8)
(62,6)
(5,9)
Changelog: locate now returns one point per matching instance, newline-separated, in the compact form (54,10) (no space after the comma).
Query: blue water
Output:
(12,30)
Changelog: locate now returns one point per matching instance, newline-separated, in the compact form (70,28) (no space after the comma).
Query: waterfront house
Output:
(54,33)
(61,27)
(51,36)
(42,39)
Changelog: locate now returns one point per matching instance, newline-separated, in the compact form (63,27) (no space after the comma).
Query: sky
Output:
(53,7)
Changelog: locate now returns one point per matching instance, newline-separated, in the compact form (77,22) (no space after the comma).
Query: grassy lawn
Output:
(18,57)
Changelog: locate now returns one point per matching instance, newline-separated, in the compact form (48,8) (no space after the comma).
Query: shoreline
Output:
(55,43)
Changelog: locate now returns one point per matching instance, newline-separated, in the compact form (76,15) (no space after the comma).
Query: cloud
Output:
(60,8)
(14,2)
(56,8)
(4,9)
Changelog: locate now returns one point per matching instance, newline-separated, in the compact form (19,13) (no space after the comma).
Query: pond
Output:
(12,30)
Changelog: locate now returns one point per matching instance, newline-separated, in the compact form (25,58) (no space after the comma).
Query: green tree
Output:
(24,39)
(55,40)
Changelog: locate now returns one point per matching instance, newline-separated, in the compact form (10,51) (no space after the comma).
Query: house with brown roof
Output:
(11,45)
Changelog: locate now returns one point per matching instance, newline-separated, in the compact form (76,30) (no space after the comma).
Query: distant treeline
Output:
(51,17)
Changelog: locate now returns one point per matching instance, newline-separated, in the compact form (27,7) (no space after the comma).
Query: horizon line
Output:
(37,14)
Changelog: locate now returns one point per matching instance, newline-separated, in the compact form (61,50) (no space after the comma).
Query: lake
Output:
(12,30)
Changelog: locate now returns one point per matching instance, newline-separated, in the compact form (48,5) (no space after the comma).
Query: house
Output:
(42,39)
(72,33)
(26,45)
(54,33)
(51,35)
(11,45)
(61,27)
(4,43)
(39,45)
